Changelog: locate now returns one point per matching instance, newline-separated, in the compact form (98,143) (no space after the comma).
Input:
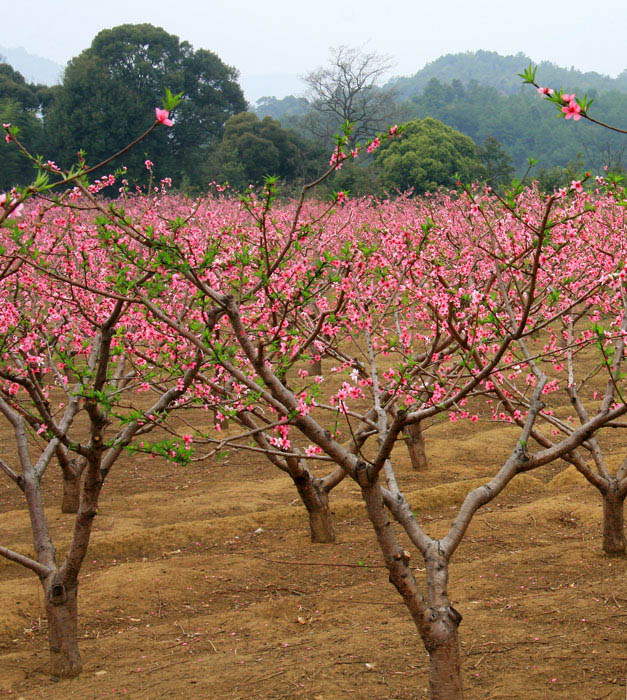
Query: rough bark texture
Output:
(437,624)
(442,643)
(316,367)
(614,543)
(416,446)
(316,501)
(440,636)
(62,614)
(71,492)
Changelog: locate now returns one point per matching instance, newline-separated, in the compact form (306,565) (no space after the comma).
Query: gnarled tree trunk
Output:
(436,620)
(416,446)
(614,543)
(62,614)
(316,501)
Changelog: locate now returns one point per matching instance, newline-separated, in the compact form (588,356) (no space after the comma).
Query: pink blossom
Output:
(568,98)
(374,144)
(149,164)
(573,110)
(337,157)
(303,407)
(341,197)
(546,91)
(162,116)
(576,184)
(393,130)
(3,203)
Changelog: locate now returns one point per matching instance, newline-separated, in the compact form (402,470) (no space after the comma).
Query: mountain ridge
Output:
(36,69)
(493,69)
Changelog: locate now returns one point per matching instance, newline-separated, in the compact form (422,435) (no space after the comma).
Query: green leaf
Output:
(172,101)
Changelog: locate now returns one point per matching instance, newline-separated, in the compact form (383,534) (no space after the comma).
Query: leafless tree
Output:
(346,89)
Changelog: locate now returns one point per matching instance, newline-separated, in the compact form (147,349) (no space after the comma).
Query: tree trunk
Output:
(62,614)
(71,491)
(440,635)
(614,543)
(316,367)
(416,446)
(72,470)
(316,501)
(445,669)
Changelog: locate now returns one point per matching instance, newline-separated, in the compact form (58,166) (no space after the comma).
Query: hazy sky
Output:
(286,37)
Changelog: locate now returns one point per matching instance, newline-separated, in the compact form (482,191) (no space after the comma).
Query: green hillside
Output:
(500,72)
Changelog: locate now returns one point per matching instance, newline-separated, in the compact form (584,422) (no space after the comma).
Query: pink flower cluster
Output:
(337,157)
(373,145)
(98,185)
(6,203)
(571,108)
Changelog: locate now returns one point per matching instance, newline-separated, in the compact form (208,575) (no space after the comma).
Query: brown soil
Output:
(201,583)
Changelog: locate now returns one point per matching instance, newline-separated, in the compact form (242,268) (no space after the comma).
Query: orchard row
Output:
(120,318)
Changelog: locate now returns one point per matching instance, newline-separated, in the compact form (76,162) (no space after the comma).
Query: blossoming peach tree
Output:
(439,299)
(76,357)
(419,307)
(585,349)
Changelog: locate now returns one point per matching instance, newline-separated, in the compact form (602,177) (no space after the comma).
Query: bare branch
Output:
(41,570)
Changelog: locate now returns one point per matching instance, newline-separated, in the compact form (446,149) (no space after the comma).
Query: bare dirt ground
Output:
(201,583)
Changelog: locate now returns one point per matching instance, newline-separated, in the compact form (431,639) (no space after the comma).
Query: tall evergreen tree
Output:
(110,90)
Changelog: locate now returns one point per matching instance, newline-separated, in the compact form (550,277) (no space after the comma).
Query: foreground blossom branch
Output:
(568,104)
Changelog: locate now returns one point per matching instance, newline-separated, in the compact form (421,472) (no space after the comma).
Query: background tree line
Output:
(466,114)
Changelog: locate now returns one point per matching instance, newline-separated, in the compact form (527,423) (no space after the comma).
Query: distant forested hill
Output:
(34,68)
(500,72)
(289,106)
(524,124)
(480,94)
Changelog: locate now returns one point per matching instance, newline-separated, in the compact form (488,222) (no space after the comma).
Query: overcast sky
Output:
(292,37)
